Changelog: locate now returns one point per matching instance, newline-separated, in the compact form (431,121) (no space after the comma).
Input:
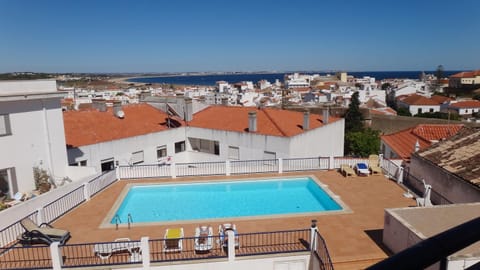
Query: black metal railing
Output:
(32,257)
(321,252)
(262,243)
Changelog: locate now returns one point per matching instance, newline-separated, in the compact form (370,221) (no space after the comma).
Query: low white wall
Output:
(298,262)
(77,173)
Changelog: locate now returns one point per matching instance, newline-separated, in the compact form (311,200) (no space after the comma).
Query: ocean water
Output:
(195,201)
(210,80)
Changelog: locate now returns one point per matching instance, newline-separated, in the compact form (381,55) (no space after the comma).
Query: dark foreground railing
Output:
(125,252)
(321,252)
(434,249)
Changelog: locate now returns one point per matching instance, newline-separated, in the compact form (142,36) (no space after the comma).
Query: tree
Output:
(353,116)
(386,86)
(362,143)
(439,74)
(403,112)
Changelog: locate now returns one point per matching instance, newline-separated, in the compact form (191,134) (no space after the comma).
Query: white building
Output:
(31,133)
(417,104)
(216,133)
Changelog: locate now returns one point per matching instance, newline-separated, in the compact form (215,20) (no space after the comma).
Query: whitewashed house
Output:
(417,104)
(100,139)
(31,133)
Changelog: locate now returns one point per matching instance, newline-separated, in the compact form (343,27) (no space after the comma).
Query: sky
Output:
(238,35)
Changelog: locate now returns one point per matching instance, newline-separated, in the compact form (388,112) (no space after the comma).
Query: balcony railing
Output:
(137,252)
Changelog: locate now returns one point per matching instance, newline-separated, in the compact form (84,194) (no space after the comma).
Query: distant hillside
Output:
(25,76)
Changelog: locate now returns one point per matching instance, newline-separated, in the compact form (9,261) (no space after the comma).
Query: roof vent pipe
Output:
(252,121)
(306,120)
(326,115)
(117,109)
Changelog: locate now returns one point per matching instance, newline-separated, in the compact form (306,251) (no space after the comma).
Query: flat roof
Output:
(429,221)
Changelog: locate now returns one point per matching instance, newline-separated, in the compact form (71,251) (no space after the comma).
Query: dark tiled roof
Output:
(459,155)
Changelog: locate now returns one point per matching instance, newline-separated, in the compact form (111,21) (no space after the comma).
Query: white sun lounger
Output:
(105,250)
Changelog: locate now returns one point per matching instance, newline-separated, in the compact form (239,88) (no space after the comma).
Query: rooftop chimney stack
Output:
(326,115)
(188,109)
(306,120)
(252,121)
(99,104)
(117,109)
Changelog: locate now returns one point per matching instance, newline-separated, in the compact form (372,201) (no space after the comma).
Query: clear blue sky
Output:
(242,35)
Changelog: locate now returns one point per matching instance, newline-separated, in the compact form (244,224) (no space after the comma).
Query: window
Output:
(161,151)
(431,110)
(205,146)
(179,147)
(107,165)
(8,183)
(137,157)
(82,163)
(5,125)
(419,110)
(233,153)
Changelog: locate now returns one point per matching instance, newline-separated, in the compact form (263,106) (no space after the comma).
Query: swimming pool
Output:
(195,201)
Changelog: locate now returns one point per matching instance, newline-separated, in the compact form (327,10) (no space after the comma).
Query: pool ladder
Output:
(118,220)
(130,220)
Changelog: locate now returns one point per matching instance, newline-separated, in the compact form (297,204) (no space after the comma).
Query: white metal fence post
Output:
(313,235)
(228,169)
(86,194)
(145,252)
(400,175)
(331,163)
(280,165)
(40,217)
(173,170)
(231,245)
(56,256)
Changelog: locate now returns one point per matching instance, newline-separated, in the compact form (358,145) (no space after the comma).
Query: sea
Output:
(211,79)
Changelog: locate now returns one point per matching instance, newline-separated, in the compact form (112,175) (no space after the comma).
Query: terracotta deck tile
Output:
(353,238)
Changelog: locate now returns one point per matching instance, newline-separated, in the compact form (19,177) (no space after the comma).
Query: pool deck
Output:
(353,237)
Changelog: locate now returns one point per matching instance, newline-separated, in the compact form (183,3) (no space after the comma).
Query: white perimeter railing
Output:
(55,203)
(233,167)
(49,206)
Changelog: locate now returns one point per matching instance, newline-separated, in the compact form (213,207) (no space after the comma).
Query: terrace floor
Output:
(353,238)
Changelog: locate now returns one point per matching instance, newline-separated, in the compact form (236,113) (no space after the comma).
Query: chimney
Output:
(306,120)
(99,104)
(326,115)
(117,109)
(188,109)
(252,121)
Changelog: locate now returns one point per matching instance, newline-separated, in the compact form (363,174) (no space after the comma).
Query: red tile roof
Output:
(415,99)
(272,122)
(403,142)
(466,104)
(466,74)
(91,126)
(440,99)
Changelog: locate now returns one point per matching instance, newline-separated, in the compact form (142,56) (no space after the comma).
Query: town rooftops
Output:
(466,104)
(91,126)
(459,155)
(466,74)
(403,142)
(273,122)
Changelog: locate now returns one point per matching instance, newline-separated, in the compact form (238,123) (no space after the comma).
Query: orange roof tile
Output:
(466,104)
(440,99)
(415,99)
(272,122)
(403,142)
(432,132)
(91,126)
(466,74)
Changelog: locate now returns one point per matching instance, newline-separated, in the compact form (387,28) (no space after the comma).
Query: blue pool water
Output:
(156,203)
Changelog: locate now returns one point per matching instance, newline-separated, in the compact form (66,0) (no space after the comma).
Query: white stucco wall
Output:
(425,108)
(280,262)
(325,141)
(121,150)
(37,139)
